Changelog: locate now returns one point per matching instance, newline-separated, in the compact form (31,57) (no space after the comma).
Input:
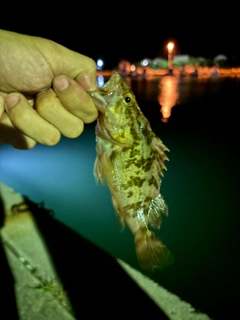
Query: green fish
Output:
(130,158)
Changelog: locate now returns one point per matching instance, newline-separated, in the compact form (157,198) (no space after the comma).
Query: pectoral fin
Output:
(157,207)
(98,171)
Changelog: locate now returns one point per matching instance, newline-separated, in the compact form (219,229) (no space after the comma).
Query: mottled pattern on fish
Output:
(130,157)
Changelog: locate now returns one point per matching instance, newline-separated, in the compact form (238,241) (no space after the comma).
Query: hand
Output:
(43,91)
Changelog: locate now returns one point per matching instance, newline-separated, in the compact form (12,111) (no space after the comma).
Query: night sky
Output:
(132,32)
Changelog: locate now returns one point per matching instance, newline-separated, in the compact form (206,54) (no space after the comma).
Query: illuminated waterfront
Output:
(202,71)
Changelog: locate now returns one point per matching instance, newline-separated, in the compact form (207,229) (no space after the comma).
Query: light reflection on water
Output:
(212,98)
(168,95)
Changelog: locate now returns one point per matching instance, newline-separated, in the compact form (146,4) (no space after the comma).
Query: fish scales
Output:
(130,158)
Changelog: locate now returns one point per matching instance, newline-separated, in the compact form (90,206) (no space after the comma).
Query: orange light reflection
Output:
(168,95)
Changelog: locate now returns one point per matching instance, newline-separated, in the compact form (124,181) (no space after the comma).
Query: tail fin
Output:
(151,252)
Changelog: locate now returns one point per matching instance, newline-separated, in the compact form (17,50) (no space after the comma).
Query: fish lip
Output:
(111,85)
(98,100)
(103,95)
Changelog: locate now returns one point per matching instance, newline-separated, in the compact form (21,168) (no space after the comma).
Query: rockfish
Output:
(130,158)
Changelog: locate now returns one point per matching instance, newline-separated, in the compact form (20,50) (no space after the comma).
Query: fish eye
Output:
(128,99)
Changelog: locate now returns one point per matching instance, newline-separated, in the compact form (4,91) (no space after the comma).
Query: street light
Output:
(170,47)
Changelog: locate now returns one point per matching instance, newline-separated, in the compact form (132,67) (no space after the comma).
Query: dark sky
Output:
(131,32)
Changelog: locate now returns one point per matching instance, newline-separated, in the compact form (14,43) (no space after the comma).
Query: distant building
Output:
(184,58)
(220,60)
(220,57)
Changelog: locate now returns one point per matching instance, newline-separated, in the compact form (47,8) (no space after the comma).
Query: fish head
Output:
(118,108)
(115,94)
(115,85)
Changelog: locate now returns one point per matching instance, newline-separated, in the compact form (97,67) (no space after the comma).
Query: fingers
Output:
(49,107)
(1,106)
(75,99)
(26,120)
(10,135)
(76,66)
(80,68)
(62,111)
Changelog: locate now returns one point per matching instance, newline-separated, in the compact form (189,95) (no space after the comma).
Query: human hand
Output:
(43,91)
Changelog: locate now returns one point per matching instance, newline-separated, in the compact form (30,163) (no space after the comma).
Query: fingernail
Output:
(60,83)
(11,101)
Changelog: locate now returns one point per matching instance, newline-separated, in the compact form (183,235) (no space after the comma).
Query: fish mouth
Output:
(111,85)
(98,100)
(103,95)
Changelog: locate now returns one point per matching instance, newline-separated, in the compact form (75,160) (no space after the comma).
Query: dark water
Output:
(200,127)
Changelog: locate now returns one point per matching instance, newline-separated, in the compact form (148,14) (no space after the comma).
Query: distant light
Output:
(100,81)
(100,64)
(170,46)
(144,62)
(133,68)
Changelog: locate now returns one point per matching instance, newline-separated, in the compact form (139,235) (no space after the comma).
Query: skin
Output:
(43,91)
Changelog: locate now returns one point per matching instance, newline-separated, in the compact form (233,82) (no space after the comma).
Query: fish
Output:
(130,159)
